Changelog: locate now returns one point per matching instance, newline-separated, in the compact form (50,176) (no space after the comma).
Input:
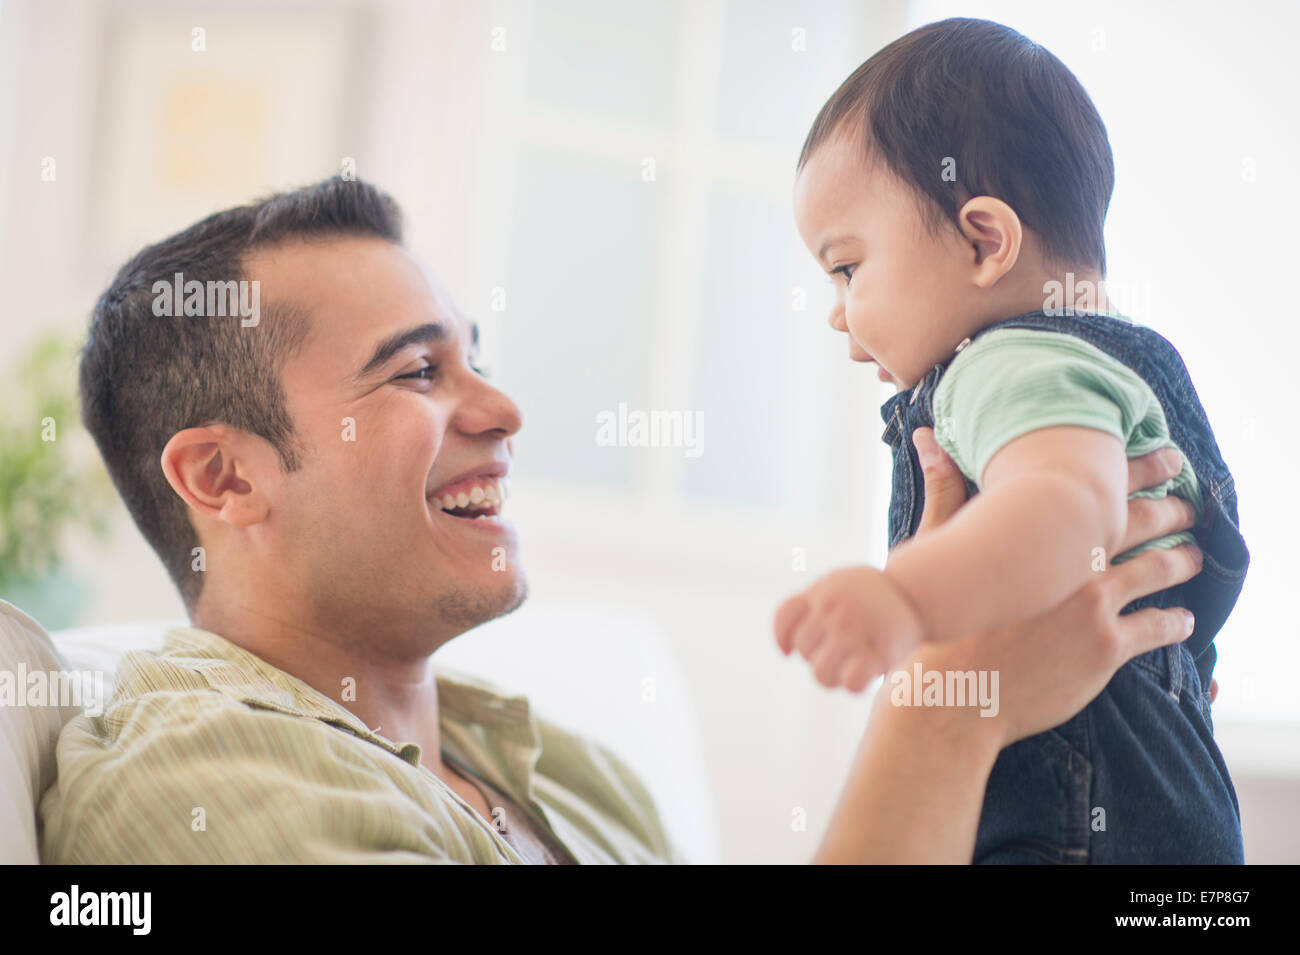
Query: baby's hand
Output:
(851,625)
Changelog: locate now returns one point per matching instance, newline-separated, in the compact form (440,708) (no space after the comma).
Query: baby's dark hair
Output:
(1015,121)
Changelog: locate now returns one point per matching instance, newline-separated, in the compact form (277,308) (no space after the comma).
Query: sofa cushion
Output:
(32,712)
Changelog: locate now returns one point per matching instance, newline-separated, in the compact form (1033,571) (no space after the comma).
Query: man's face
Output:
(392,416)
(900,294)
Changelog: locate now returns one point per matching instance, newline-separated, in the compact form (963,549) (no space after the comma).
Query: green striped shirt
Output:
(1011,381)
(208,754)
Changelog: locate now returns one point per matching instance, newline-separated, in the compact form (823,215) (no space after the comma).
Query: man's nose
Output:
(836,319)
(485,408)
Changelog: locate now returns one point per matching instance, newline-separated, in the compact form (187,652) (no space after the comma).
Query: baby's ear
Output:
(995,235)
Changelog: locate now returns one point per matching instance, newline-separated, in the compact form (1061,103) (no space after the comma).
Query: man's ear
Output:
(994,231)
(221,473)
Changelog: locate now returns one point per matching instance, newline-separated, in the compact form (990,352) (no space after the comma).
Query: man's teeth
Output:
(479,497)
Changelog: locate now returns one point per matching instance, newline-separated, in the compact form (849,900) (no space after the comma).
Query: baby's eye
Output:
(846,271)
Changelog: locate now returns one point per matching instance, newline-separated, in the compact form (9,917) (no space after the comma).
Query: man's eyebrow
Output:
(428,333)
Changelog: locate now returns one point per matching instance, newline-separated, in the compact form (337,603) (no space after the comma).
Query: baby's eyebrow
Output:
(830,244)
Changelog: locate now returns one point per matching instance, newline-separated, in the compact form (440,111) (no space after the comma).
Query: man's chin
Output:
(467,609)
(518,594)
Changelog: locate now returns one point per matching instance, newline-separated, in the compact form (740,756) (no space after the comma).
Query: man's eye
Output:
(426,373)
(429,372)
(846,271)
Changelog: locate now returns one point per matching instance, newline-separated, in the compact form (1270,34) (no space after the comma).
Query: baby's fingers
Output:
(829,661)
(857,672)
(788,617)
(809,636)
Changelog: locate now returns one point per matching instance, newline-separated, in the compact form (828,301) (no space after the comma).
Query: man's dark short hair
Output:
(1018,124)
(144,376)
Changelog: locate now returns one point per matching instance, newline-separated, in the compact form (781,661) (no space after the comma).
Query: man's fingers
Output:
(1153,469)
(945,488)
(1153,570)
(1214,689)
(1147,629)
(1152,517)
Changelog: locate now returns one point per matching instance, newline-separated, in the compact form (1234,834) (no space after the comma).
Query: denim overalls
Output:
(1136,776)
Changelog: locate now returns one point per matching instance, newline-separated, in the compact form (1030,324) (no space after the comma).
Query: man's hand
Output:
(851,626)
(1056,683)
(916,786)
(945,487)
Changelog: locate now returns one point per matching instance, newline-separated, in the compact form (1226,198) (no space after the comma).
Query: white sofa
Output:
(611,677)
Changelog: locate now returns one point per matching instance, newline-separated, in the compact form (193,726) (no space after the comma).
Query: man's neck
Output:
(395,698)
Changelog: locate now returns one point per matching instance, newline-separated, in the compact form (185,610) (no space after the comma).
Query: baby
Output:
(955,187)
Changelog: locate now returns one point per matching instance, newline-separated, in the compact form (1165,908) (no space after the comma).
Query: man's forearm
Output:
(1017,550)
(915,788)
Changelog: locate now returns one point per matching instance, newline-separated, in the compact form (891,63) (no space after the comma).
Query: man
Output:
(323,482)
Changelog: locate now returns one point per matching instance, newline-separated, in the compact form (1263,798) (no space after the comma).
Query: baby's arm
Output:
(1049,499)
(1043,424)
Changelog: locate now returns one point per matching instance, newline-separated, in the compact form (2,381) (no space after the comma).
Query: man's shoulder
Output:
(186,775)
(146,733)
(174,745)
(128,768)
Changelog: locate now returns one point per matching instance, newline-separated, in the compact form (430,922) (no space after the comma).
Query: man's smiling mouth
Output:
(473,499)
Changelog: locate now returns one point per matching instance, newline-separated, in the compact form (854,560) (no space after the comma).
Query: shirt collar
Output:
(464,701)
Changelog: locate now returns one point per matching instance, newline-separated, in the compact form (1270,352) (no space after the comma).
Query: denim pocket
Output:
(1173,669)
(1187,682)
(1036,805)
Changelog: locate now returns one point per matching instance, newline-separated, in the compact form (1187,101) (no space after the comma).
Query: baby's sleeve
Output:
(1009,382)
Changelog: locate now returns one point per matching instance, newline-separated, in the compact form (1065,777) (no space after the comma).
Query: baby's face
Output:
(904,297)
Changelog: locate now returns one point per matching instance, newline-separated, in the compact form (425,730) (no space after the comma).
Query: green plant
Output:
(48,482)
